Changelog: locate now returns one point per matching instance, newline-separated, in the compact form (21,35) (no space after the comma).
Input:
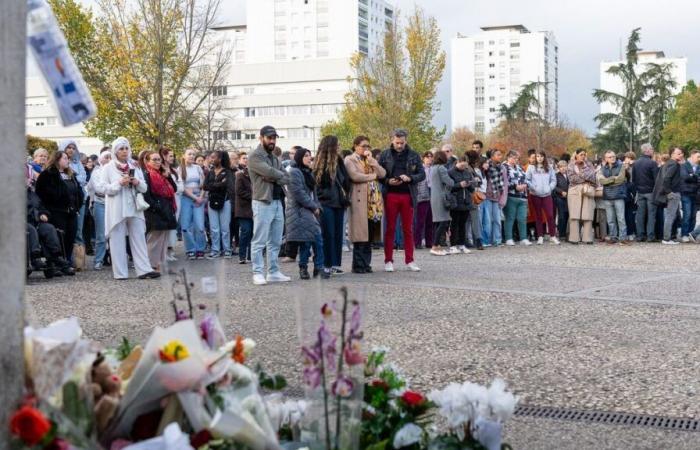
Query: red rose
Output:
(380,384)
(200,439)
(30,425)
(412,398)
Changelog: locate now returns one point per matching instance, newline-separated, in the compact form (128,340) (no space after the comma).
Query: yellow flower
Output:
(173,351)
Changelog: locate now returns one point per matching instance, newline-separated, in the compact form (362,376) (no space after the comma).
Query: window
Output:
(240,56)
(479,101)
(479,90)
(492,99)
(492,121)
(492,65)
(502,53)
(492,77)
(492,110)
(249,91)
(50,121)
(39,123)
(250,136)
(220,135)
(478,56)
(515,56)
(514,44)
(478,45)
(219,90)
(492,42)
(236,135)
(479,127)
(249,112)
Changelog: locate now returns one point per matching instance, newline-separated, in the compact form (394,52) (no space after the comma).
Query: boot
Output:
(63,266)
(479,244)
(325,274)
(38,262)
(316,271)
(51,271)
(304,273)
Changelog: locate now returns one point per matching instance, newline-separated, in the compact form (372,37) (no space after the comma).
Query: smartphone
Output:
(131,173)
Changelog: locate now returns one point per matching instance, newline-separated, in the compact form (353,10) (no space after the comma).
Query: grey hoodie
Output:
(541,183)
(75,163)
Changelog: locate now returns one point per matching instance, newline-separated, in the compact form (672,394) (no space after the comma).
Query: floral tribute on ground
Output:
(189,388)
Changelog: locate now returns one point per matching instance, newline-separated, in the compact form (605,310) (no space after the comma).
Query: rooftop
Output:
(520,28)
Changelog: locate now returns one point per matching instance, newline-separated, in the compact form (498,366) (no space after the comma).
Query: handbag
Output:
(216,201)
(79,257)
(141,203)
(343,197)
(449,200)
(478,197)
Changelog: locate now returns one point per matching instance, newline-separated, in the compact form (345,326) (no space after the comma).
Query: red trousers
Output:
(395,204)
(546,205)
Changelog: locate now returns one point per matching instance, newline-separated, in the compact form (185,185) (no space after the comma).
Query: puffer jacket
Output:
(540,183)
(614,181)
(300,221)
(463,195)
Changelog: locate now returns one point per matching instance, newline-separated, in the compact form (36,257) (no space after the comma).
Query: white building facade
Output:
(42,119)
(291,66)
(609,82)
(490,68)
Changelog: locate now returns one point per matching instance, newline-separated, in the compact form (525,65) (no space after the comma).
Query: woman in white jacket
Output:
(542,179)
(96,191)
(122,181)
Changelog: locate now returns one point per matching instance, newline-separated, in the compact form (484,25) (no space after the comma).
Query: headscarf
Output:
(309,179)
(102,160)
(116,145)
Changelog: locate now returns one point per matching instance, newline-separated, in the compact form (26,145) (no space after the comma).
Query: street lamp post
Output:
(313,135)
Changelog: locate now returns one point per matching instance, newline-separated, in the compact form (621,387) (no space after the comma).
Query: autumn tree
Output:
(555,139)
(396,87)
(461,140)
(683,126)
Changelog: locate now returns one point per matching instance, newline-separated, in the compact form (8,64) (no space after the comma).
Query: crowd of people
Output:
(270,206)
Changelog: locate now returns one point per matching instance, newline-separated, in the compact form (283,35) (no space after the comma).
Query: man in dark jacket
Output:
(404,170)
(689,190)
(644,174)
(671,189)
(613,177)
(560,193)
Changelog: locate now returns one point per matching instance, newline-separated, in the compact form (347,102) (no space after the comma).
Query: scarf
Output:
(309,179)
(496,178)
(161,187)
(375,207)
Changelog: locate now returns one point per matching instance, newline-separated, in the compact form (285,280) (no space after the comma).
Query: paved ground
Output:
(601,327)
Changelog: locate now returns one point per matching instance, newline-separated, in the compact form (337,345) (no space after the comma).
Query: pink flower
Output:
(342,387)
(312,377)
(353,355)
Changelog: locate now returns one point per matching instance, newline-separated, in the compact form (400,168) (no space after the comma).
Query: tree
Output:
(34,143)
(554,139)
(660,84)
(461,140)
(526,106)
(396,87)
(683,126)
(150,65)
(211,124)
(616,138)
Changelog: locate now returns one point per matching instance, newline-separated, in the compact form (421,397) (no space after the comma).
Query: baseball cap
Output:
(268,131)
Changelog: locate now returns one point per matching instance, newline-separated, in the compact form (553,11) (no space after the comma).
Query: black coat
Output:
(59,195)
(161,214)
(562,185)
(414,166)
(35,208)
(243,208)
(644,172)
(689,179)
(463,195)
(335,192)
(222,185)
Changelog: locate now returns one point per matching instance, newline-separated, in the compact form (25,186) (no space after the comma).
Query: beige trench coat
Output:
(581,207)
(358,195)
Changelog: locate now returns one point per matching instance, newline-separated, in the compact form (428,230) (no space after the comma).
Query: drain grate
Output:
(609,418)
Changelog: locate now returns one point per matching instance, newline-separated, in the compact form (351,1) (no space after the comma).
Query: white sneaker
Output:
(171,257)
(554,240)
(540,240)
(277,277)
(685,239)
(346,248)
(669,242)
(439,252)
(454,251)
(525,242)
(693,238)
(413,267)
(510,242)
(388,267)
(259,279)
(464,249)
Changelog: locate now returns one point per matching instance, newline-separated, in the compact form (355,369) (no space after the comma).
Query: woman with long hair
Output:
(62,195)
(367,208)
(459,213)
(220,184)
(123,182)
(243,208)
(542,180)
(167,156)
(474,163)
(160,216)
(333,188)
(192,206)
(441,184)
(581,198)
(96,191)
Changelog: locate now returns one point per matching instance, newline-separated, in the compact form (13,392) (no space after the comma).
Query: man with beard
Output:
(267,179)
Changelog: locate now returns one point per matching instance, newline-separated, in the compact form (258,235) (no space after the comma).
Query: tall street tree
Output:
(683,126)
(660,86)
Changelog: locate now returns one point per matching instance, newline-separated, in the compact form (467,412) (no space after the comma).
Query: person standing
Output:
(542,181)
(689,192)
(440,203)
(70,147)
(459,213)
(267,179)
(123,181)
(192,206)
(581,198)
(367,207)
(644,174)
(613,178)
(96,191)
(221,186)
(424,215)
(496,197)
(474,222)
(303,211)
(167,156)
(61,194)
(160,216)
(243,209)
(671,193)
(333,185)
(560,200)
(404,170)
(515,210)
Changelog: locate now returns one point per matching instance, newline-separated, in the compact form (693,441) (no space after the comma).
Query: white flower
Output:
(370,409)
(248,346)
(501,403)
(409,434)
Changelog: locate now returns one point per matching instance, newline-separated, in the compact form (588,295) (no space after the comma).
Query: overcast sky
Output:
(588,32)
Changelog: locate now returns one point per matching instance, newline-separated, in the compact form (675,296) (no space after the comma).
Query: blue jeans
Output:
(98,213)
(220,228)
(246,234)
(491,222)
(79,226)
(615,214)
(192,224)
(305,250)
(268,225)
(689,211)
(332,229)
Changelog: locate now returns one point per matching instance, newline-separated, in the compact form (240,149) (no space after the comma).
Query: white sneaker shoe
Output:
(464,249)
(510,242)
(669,242)
(439,252)
(540,240)
(277,277)
(685,239)
(346,248)
(555,240)
(171,257)
(525,242)
(259,279)
(454,250)
(388,267)
(413,267)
